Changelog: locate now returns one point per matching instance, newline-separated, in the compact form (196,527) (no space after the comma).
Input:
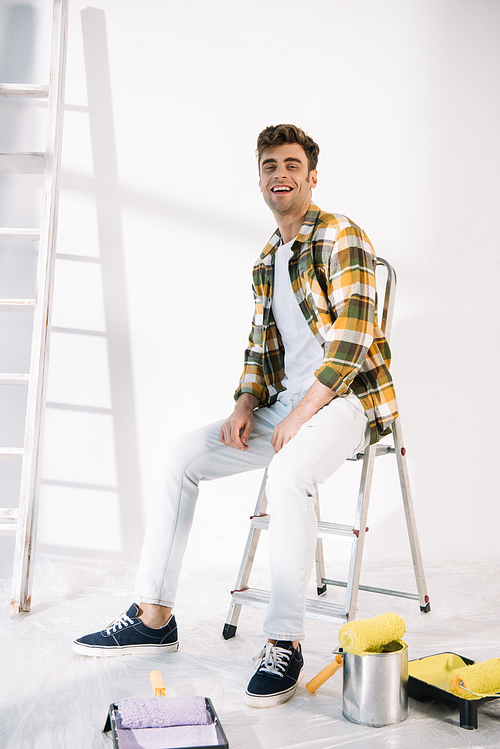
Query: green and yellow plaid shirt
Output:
(332,272)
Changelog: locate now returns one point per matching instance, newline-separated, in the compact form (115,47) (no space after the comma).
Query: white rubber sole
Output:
(129,650)
(272,700)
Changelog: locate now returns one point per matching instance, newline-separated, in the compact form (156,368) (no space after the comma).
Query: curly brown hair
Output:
(277,135)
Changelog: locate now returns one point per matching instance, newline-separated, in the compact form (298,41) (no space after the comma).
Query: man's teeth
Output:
(281,189)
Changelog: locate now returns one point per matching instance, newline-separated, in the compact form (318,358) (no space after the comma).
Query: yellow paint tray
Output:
(428,679)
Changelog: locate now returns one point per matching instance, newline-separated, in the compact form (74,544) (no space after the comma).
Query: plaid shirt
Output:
(332,272)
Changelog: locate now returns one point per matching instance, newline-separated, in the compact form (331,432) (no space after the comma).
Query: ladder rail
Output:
(319,557)
(351,598)
(389,297)
(30,474)
(410,515)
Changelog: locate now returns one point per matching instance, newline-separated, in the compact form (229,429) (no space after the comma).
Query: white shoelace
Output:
(274,660)
(121,621)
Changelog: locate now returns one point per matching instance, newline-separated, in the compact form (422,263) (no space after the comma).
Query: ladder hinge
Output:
(356,531)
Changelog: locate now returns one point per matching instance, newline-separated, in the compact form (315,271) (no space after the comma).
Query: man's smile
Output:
(281,188)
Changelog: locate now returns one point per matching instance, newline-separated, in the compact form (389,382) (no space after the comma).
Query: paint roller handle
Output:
(157,683)
(320,678)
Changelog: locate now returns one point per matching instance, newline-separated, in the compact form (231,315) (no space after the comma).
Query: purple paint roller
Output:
(162,712)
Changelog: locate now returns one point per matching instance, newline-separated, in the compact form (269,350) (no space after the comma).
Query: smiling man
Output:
(315,389)
(286,181)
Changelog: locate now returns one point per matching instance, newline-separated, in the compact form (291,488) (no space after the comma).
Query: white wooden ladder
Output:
(22,521)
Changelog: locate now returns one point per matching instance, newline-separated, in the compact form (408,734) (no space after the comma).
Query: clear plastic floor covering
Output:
(50,697)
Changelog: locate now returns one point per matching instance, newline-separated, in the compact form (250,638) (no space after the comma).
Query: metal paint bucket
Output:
(375,687)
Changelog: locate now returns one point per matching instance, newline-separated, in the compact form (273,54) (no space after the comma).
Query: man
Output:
(315,390)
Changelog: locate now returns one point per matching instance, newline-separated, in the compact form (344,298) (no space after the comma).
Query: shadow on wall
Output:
(108,209)
(113,275)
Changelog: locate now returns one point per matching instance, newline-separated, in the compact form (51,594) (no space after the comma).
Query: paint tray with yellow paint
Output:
(434,677)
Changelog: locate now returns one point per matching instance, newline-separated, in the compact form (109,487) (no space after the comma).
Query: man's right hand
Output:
(236,430)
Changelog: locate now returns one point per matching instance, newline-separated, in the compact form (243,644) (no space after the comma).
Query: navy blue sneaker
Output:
(277,675)
(127,634)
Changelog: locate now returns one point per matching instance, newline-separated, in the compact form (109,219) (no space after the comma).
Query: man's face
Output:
(285,180)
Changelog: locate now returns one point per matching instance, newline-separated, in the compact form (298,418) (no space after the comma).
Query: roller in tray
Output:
(428,678)
(206,736)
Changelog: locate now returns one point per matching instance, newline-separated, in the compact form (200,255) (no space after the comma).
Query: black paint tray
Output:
(428,679)
(162,738)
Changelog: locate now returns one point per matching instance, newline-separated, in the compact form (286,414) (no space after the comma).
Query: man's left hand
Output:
(316,397)
(286,429)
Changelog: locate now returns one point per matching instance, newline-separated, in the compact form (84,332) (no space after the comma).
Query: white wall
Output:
(160,203)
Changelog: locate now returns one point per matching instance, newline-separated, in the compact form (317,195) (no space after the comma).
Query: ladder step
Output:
(325,529)
(379,450)
(10,378)
(11,453)
(7,305)
(10,514)
(29,90)
(8,529)
(8,520)
(315,609)
(22,163)
(33,234)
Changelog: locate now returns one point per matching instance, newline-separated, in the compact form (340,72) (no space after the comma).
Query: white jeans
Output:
(321,446)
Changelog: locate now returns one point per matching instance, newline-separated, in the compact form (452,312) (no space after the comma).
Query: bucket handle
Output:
(325,674)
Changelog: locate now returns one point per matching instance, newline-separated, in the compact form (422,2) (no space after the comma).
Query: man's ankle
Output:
(295,643)
(153,615)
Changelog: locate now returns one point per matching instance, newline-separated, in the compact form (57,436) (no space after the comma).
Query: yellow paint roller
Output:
(477,680)
(361,637)
(370,635)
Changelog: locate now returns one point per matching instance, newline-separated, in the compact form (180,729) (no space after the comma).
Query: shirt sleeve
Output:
(351,297)
(252,378)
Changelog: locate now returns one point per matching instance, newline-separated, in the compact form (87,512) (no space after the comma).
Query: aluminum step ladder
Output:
(22,521)
(318,608)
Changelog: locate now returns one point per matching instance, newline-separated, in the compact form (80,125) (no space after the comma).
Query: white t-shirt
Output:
(303,353)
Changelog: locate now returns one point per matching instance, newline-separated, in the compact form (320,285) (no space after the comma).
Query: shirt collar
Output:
(304,234)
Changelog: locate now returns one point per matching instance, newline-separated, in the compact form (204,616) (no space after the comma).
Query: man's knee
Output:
(285,478)
(171,452)
(176,457)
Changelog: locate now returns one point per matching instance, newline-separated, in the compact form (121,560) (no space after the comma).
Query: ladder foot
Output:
(228,631)
(425,609)
(20,607)
(321,591)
